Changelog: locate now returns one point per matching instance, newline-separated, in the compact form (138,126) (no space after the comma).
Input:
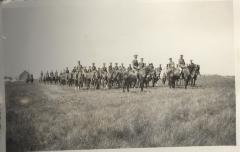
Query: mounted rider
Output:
(41,76)
(104,68)
(171,64)
(129,68)
(181,62)
(151,65)
(93,67)
(122,68)
(67,71)
(141,64)
(56,74)
(110,67)
(135,62)
(191,66)
(74,69)
(51,74)
(159,69)
(116,67)
(89,69)
(79,66)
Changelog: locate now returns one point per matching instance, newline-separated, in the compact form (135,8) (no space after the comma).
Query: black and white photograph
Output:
(118,74)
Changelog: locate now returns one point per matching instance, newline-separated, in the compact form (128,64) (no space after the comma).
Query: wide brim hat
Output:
(135,55)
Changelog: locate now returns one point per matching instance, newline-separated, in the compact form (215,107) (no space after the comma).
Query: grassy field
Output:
(45,117)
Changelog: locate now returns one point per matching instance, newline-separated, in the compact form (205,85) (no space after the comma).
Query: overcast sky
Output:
(49,35)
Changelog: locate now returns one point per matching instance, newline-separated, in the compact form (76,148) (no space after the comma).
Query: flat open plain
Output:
(50,117)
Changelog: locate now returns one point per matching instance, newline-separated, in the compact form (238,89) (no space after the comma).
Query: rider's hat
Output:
(135,55)
(170,58)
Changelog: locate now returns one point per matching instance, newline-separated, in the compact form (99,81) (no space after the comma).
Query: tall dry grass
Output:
(43,117)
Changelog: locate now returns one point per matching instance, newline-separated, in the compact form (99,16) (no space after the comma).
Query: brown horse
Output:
(142,76)
(173,75)
(90,79)
(114,77)
(195,72)
(129,79)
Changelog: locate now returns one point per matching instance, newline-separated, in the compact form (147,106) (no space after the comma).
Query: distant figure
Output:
(181,61)
(135,62)
(116,67)
(67,71)
(141,64)
(171,64)
(28,78)
(129,68)
(110,68)
(104,68)
(191,66)
(94,67)
(41,77)
(122,67)
(31,78)
(79,66)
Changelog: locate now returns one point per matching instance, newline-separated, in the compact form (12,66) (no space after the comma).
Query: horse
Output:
(153,77)
(114,77)
(103,78)
(195,72)
(129,79)
(69,79)
(186,76)
(142,75)
(89,78)
(75,79)
(173,75)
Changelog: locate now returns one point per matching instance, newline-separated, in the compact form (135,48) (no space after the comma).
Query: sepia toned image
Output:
(116,74)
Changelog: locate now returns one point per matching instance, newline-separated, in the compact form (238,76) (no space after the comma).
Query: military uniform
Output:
(104,69)
(116,68)
(110,68)
(191,67)
(51,74)
(94,68)
(181,61)
(79,68)
(67,71)
(141,65)
(123,68)
(56,74)
(171,64)
(135,64)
